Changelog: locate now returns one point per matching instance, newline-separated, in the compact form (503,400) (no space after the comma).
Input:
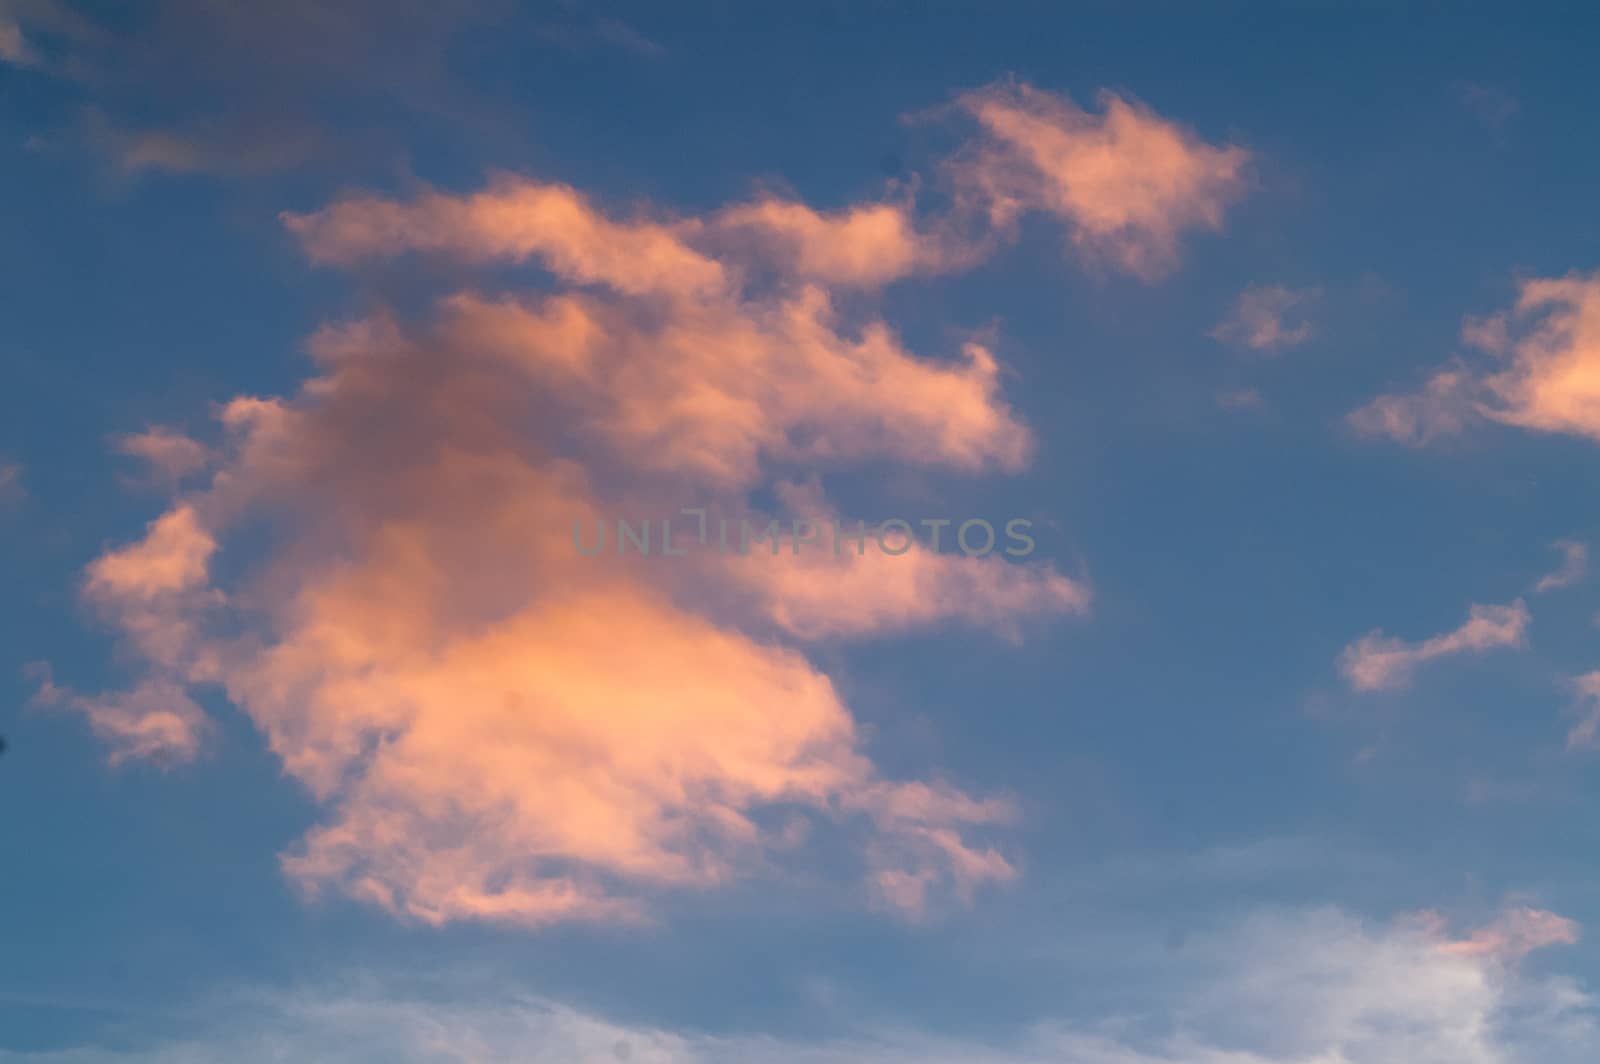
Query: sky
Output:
(1262,339)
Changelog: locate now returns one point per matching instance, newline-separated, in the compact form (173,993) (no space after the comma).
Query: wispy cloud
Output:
(168,455)
(1574,566)
(1127,183)
(1267,318)
(1379,662)
(1294,987)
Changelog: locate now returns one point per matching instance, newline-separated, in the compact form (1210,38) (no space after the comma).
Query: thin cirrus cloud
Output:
(1544,375)
(1267,318)
(1573,568)
(1294,987)
(565,737)
(1377,662)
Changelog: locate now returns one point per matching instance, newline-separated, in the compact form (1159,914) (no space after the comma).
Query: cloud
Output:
(1378,662)
(496,727)
(1443,408)
(1515,933)
(739,375)
(840,590)
(1261,319)
(1127,183)
(1574,566)
(155,721)
(1291,987)
(864,245)
(1545,375)
(169,455)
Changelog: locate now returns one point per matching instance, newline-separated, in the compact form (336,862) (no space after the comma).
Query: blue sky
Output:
(1279,715)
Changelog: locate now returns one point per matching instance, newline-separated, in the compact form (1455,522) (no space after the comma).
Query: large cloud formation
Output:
(380,570)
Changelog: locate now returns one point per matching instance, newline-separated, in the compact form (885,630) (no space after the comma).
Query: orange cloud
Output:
(1545,375)
(1516,933)
(1127,183)
(865,245)
(498,727)
(515,220)
(172,557)
(838,589)
(1378,662)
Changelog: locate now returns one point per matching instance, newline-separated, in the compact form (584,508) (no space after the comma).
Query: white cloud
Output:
(1292,987)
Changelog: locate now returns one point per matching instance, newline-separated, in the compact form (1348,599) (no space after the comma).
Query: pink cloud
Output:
(1545,373)
(1514,934)
(1127,183)
(495,727)
(1379,662)
(169,454)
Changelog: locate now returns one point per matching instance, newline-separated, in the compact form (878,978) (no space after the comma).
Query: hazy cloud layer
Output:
(1307,987)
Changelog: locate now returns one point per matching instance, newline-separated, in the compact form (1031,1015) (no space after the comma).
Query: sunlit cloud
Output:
(1544,374)
(1127,183)
(1379,662)
(499,728)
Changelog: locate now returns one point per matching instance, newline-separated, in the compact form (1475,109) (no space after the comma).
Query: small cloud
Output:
(169,455)
(1491,105)
(1127,183)
(1574,566)
(1267,318)
(1377,662)
(155,721)
(1444,407)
